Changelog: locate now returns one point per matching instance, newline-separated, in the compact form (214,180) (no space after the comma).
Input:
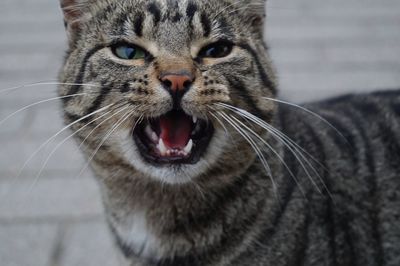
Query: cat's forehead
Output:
(176,10)
(173,4)
(171,24)
(167,6)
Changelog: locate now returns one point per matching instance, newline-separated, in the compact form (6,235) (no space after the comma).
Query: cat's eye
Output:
(129,52)
(216,50)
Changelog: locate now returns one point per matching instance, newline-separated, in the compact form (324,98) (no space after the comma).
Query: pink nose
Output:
(177,83)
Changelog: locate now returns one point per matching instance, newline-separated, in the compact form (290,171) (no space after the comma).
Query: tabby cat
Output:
(173,103)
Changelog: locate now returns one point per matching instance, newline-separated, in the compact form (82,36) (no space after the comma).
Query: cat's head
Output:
(147,79)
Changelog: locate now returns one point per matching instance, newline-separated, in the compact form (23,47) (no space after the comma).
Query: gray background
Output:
(320,49)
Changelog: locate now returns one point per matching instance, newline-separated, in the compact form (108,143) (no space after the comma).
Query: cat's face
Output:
(155,72)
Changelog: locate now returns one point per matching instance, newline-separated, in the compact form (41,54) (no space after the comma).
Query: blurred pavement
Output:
(320,49)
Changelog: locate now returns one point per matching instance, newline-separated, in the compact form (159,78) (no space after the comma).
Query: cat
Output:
(173,102)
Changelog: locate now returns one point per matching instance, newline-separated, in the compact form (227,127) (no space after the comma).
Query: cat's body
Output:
(356,223)
(178,192)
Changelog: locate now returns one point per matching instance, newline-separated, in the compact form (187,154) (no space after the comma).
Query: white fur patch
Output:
(136,234)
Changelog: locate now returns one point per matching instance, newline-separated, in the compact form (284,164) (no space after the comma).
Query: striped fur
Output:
(332,200)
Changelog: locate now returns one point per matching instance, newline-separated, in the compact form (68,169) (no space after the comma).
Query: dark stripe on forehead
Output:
(138,25)
(225,28)
(77,88)
(155,11)
(206,24)
(264,77)
(177,17)
(191,10)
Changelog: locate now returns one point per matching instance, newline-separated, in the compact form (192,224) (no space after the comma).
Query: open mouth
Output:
(174,138)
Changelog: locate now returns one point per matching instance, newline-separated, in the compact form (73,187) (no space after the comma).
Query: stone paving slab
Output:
(88,244)
(26,154)
(49,198)
(27,245)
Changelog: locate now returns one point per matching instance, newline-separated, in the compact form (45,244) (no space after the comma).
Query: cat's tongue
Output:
(176,129)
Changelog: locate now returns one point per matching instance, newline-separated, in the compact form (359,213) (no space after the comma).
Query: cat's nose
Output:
(177,84)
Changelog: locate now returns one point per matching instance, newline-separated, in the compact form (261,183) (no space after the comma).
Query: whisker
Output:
(220,122)
(262,123)
(45,83)
(60,144)
(269,128)
(274,151)
(226,130)
(44,144)
(247,138)
(255,148)
(309,112)
(100,124)
(108,134)
(36,104)
(297,149)
(42,82)
(288,143)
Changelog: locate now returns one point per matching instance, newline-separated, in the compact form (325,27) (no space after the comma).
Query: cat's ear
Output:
(255,10)
(73,11)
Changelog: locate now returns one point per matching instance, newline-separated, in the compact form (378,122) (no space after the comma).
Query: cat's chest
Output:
(136,234)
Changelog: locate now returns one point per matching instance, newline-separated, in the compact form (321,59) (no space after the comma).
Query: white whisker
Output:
(290,144)
(269,128)
(220,122)
(100,124)
(36,104)
(44,144)
(309,112)
(259,153)
(274,151)
(61,143)
(108,134)
(50,83)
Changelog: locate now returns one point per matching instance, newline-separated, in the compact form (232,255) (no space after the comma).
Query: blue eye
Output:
(129,52)
(216,50)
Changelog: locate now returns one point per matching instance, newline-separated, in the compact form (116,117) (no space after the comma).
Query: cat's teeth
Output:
(194,119)
(161,147)
(164,151)
(188,147)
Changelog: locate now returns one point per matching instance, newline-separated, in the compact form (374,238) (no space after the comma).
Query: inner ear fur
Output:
(253,11)
(74,12)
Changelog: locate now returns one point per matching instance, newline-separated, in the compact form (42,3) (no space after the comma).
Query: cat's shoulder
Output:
(343,113)
(382,96)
